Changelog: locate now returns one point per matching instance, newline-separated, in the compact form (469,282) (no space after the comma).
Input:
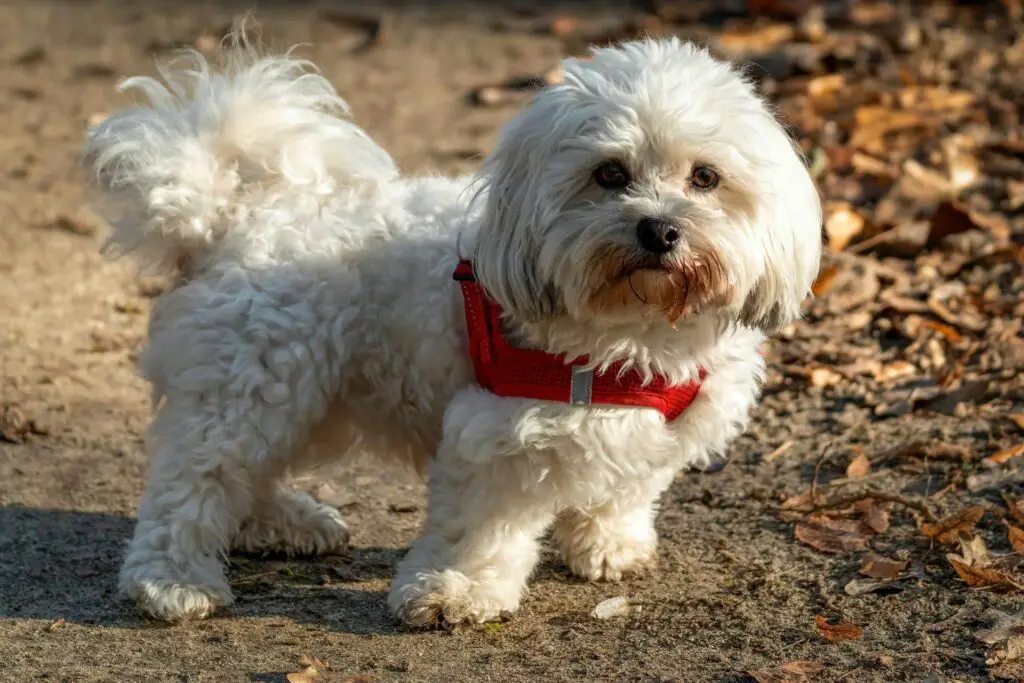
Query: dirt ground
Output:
(740,581)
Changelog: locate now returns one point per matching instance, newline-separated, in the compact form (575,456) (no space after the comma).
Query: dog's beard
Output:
(676,286)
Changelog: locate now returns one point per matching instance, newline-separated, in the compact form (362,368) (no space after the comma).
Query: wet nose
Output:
(657,235)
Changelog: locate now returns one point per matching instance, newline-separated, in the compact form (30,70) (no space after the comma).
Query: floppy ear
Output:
(789,225)
(514,214)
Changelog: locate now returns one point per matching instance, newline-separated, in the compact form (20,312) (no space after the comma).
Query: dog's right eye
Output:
(611,175)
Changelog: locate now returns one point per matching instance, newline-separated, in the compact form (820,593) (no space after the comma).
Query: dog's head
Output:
(652,183)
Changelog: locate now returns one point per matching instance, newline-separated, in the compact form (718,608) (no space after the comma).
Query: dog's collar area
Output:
(511,371)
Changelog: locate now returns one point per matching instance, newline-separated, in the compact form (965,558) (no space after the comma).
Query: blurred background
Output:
(869,525)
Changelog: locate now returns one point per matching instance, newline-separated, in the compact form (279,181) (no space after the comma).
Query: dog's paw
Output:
(610,558)
(449,598)
(318,530)
(171,601)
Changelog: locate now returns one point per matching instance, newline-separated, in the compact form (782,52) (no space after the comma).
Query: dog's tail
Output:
(177,173)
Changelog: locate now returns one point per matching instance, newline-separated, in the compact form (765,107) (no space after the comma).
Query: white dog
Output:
(637,231)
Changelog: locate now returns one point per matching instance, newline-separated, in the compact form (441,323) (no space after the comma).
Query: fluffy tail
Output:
(176,173)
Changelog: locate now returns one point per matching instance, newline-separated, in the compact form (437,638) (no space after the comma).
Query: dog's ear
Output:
(789,226)
(513,217)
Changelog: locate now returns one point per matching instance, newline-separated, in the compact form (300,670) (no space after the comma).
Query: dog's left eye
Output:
(704,178)
(611,176)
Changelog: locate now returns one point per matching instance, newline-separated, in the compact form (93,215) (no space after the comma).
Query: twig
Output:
(917,505)
(824,455)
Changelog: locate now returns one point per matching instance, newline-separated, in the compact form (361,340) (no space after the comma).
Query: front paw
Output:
(610,558)
(434,599)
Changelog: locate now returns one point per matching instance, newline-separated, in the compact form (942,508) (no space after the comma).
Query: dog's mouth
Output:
(676,286)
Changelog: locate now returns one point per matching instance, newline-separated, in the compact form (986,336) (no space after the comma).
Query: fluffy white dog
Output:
(646,221)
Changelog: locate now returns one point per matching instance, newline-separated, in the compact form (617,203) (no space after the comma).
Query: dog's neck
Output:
(652,345)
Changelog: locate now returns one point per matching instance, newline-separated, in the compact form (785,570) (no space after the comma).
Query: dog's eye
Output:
(704,178)
(611,175)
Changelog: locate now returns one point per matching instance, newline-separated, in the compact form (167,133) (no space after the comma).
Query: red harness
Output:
(507,370)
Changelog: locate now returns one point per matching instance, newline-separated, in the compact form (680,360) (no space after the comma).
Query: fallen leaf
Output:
(978,569)
(874,515)
(802,667)
(1014,507)
(822,376)
(825,278)
(615,607)
(859,466)
(842,224)
(1016,536)
(56,625)
(1005,455)
(828,535)
(856,587)
(1005,626)
(764,676)
(564,26)
(313,671)
(878,567)
(755,41)
(837,633)
(948,219)
(1017,419)
(947,530)
(1008,662)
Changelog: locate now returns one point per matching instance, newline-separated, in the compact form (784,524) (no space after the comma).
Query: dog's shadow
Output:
(62,564)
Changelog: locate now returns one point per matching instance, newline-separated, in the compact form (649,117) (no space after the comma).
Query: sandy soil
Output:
(733,592)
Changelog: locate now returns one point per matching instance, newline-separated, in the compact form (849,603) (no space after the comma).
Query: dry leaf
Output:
(1015,508)
(825,278)
(1017,419)
(842,225)
(313,671)
(1005,455)
(764,676)
(874,515)
(802,667)
(978,569)
(878,567)
(56,625)
(947,530)
(1016,535)
(828,535)
(837,633)
(859,466)
(822,376)
(755,41)
(615,607)
(898,369)
(1006,626)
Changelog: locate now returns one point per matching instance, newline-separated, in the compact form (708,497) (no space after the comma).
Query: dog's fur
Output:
(314,314)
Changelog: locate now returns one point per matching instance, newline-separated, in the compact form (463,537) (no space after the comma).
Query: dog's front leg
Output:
(617,538)
(479,544)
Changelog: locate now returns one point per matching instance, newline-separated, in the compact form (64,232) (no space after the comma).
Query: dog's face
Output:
(652,184)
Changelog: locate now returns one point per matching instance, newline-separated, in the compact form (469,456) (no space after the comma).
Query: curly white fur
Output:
(314,314)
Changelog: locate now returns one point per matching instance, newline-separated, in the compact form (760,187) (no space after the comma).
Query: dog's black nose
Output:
(657,235)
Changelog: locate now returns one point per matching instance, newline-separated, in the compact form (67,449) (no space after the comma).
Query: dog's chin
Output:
(652,287)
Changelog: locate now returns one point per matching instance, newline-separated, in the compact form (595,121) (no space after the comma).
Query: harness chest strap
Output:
(507,370)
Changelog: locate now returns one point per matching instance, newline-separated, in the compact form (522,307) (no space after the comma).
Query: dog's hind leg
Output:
(292,523)
(199,489)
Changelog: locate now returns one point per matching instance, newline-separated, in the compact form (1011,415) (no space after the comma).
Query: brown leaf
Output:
(755,41)
(978,569)
(874,515)
(837,633)
(1017,419)
(860,465)
(825,278)
(1015,508)
(948,219)
(1005,455)
(1016,535)
(828,535)
(803,668)
(947,530)
(878,567)
(316,670)
(841,225)
(765,676)
(822,376)
(56,625)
